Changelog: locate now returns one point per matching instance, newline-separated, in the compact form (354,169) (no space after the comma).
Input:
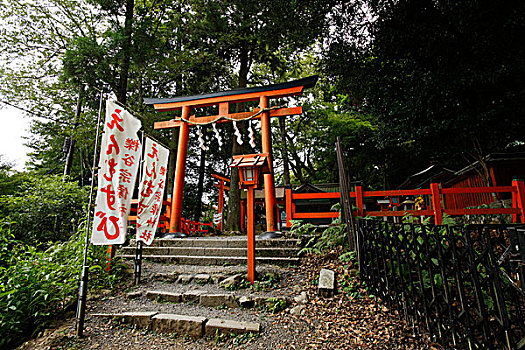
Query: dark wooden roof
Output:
(305,83)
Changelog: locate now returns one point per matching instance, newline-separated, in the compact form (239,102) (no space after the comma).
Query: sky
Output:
(13,127)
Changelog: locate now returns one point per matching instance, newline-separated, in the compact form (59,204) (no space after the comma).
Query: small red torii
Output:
(223,100)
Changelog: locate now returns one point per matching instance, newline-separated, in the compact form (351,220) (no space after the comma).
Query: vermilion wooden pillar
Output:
(269,187)
(178,187)
(251,236)
(289,213)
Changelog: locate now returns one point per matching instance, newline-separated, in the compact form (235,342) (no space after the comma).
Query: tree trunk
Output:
(233,221)
(172,161)
(71,148)
(200,185)
(126,53)
(286,164)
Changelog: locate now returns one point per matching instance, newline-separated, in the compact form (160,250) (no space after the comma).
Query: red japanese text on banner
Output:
(151,190)
(118,164)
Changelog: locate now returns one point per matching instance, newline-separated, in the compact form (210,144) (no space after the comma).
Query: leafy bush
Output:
(45,209)
(300,229)
(333,236)
(37,284)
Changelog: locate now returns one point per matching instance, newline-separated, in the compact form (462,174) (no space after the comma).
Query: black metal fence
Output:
(459,283)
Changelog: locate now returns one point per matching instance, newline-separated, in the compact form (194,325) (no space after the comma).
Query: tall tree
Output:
(250,32)
(435,70)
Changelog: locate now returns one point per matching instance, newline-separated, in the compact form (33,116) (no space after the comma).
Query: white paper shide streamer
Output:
(118,164)
(217,135)
(202,144)
(151,190)
(251,134)
(237,133)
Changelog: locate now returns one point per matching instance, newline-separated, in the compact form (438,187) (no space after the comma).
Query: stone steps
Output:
(192,326)
(213,300)
(214,260)
(223,242)
(216,251)
(211,251)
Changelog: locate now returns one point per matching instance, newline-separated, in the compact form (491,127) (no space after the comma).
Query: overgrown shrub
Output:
(38,284)
(300,229)
(45,209)
(335,235)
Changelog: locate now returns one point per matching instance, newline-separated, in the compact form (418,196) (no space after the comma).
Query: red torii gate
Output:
(221,186)
(223,100)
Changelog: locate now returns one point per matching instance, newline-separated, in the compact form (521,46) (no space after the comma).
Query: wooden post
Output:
(251,236)
(243,215)
(178,187)
(221,202)
(269,187)
(109,255)
(359,201)
(520,198)
(436,203)
(344,198)
(289,215)
(514,204)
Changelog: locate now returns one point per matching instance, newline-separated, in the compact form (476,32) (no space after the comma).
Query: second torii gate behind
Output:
(223,100)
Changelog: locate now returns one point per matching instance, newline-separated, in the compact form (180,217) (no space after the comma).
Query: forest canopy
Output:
(403,83)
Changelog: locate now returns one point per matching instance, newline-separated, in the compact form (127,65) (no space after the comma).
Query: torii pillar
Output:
(223,100)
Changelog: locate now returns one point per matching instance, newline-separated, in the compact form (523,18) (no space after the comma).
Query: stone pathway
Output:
(171,300)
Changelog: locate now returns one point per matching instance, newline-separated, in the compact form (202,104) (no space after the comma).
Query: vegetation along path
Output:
(351,319)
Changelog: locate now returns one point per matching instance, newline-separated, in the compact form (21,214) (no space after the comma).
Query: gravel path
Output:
(340,322)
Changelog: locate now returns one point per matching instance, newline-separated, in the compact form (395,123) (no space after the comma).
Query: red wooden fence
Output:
(188,227)
(438,205)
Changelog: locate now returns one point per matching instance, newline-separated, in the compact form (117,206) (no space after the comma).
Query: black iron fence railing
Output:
(461,284)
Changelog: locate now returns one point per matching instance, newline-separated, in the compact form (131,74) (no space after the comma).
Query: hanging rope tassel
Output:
(201,139)
(217,135)
(250,134)
(237,133)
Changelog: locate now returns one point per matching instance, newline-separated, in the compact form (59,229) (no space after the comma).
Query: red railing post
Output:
(289,217)
(436,203)
(359,200)
(520,198)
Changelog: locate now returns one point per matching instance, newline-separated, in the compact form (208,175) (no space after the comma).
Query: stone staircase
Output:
(217,251)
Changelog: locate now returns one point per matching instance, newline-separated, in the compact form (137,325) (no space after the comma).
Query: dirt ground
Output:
(346,321)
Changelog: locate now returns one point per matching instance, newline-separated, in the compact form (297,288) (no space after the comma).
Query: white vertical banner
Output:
(118,164)
(151,190)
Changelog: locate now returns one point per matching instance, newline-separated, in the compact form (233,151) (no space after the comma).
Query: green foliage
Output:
(267,282)
(348,282)
(243,284)
(332,237)
(234,339)
(300,229)
(429,71)
(274,305)
(35,285)
(44,209)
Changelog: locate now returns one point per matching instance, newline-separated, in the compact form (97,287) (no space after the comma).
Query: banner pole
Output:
(138,248)
(138,263)
(82,294)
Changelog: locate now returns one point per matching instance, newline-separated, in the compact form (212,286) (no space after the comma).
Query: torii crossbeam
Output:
(223,99)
